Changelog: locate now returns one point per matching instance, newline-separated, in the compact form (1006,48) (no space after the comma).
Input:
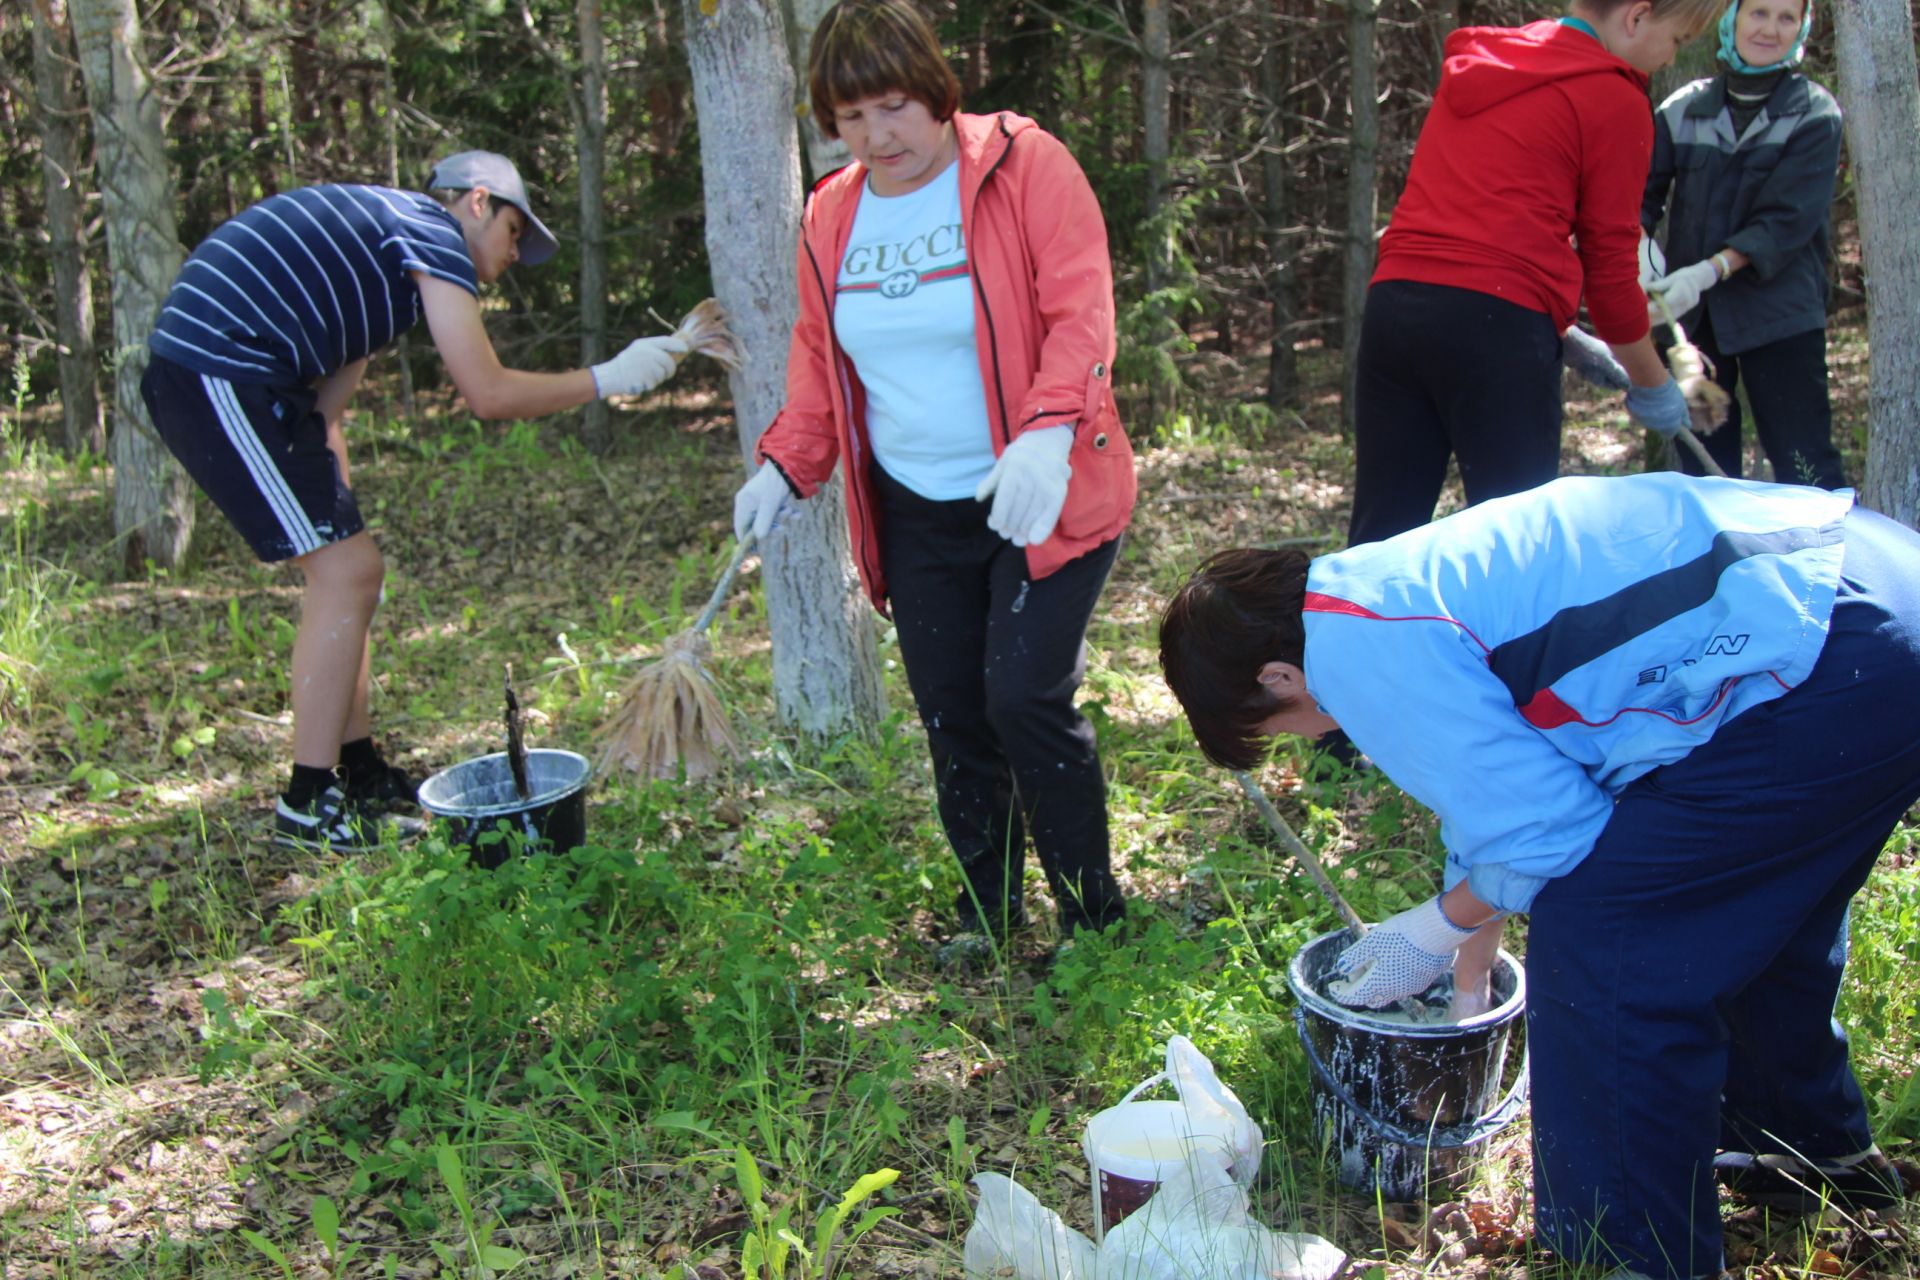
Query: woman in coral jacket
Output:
(954,349)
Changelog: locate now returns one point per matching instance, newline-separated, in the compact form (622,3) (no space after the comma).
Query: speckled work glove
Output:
(1399,957)
(1592,359)
(1028,485)
(1662,408)
(644,365)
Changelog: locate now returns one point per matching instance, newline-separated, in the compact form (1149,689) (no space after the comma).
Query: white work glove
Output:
(758,504)
(1682,289)
(1592,359)
(1398,958)
(1029,485)
(1653,262)
(1662,408)
(644,365)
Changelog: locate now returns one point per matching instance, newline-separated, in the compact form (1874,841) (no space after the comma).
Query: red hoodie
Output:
(1538,140)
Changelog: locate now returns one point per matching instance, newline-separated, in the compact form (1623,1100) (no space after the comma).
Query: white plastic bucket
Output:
(1131,1147)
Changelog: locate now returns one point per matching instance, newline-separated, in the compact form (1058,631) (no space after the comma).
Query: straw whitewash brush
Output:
(705,330)
(669,714)
(1707,401)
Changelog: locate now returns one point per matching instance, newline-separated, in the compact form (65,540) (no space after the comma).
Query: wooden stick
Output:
(1301,853)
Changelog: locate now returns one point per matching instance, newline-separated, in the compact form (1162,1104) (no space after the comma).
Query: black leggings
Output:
(1449,371)
(994,659)
(1786,385)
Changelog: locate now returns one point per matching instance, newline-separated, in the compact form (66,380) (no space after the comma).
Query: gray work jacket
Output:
(1766,193)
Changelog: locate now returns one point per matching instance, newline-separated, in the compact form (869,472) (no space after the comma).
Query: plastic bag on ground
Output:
(1013,1234)
(1208,1100)
(1196,1227)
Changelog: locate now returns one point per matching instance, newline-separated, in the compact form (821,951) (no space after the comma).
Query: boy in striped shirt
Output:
(260,345)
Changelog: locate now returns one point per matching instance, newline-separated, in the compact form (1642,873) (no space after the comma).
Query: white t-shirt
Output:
(903,311)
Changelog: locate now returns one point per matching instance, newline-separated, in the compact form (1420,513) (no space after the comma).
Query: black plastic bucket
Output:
(1404,1104)
(477,795)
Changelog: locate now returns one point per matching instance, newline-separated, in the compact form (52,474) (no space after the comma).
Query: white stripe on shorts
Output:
(301,534)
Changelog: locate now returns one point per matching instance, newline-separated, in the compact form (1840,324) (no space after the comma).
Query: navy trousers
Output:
(995,659)
(1682,978)
(1449,372)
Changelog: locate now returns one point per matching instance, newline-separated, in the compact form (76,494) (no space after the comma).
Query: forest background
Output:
(217,1059)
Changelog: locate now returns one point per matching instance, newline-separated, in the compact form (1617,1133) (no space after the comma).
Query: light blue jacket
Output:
(1515,666)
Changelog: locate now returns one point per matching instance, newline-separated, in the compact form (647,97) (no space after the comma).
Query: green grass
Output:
(719,1021)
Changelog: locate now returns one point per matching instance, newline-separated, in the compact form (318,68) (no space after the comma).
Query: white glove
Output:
(1029,485)
(1653,262)
(644,365)
(758,504)
(1681,290)
(1398,958)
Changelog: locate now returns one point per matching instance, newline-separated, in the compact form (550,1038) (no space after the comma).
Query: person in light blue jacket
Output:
(1674,720)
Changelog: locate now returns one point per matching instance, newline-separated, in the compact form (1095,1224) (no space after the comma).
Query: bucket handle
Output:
(1448,1138)
(1141,1088)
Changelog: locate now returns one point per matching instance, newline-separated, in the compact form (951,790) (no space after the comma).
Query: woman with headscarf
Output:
(1743,169)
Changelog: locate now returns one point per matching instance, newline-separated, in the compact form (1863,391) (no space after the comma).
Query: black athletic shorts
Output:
(260,452)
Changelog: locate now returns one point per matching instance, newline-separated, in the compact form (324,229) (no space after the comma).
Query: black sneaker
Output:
(331,822)
(1783,1182)
(383,788)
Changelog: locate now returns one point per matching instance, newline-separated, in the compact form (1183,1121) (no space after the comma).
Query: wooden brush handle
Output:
(708,614)
(1301,854)
(1685,435)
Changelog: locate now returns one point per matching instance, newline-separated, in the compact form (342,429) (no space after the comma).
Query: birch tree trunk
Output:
(152,498)
(826,667)
(60,105)
(824,154)
(1156,108)
(1880,92)
(1276,77)
(1363,145)
(596,426)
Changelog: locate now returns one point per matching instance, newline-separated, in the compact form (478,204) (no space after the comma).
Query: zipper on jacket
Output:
(840,374)
(993,342)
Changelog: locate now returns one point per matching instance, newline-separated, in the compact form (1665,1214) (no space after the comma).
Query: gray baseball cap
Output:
(496,173)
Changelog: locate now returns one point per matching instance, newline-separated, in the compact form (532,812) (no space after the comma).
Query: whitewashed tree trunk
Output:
(826,667)
(59,111)
(824,154)
(596,425)
(1880,93)
(152,498)
(1363,146)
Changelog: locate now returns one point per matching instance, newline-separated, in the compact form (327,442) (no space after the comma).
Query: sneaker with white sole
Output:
(329,822)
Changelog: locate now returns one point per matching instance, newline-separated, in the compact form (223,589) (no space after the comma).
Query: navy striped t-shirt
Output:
(308,281)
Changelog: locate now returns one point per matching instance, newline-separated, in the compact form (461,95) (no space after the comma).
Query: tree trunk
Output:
(1156,107)
(152,499)
(1363,145)
(80,414)
(596,425)
(826,668)
(390,117)
(1276,77)
(1880,91)
(824,154)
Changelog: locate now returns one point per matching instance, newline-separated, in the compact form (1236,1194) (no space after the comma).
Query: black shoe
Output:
(1783,1182)
(970,950)
(382,788)
(332,823)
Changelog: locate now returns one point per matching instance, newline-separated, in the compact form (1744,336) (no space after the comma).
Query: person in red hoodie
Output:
(1523,195)
(954,351)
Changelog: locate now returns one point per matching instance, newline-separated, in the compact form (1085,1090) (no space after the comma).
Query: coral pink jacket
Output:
(1043,319)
